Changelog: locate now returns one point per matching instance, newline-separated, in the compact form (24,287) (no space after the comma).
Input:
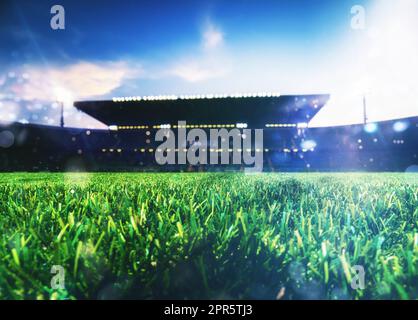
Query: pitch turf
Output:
(209,235)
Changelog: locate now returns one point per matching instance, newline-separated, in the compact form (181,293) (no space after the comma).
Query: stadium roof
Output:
(254,110)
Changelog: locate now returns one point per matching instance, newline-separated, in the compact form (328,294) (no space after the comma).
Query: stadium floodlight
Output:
(195,97)
(242,125)
(302,125)
(63,95)
(400,126)
(308,144)
(370,127)
(113,127)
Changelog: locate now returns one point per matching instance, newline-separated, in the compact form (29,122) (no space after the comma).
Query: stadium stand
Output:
(289,144)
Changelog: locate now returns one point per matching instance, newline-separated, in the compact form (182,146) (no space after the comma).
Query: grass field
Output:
(209,235)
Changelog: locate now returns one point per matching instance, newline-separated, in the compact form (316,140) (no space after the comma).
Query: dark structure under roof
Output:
(256,111)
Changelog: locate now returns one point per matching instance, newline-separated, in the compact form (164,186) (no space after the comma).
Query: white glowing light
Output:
(400,126)
(370,127)
(302,125)
(195,97)
(63,95)
(242,125)
(308,144)
(113,128)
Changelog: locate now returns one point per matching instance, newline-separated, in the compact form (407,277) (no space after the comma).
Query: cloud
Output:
(212,37)
(81,80)
(198,70)
(378,62)
(207,64)
(29,92)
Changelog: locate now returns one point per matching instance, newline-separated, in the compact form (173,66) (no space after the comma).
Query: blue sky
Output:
(125,48)
(108,30)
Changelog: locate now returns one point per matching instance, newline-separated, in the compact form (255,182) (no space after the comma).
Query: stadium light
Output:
(400,126)
(302,125)
(113,128)
(308,144)
(196,96)
(63,95)
(370,127)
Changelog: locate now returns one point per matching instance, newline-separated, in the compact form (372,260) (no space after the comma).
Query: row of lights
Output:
(371,127)
(132,127)
(296,150)
(281,125)
(192,126)
(143,150)
(195,97)
(218,150)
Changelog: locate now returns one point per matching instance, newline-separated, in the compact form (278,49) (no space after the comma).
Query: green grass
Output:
(208,235)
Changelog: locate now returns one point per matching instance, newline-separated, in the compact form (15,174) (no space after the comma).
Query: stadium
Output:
(130,149)
(111,210)
(289,144)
